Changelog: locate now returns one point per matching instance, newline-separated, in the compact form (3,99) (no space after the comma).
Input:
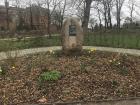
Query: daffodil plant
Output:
(92,50)
(51,52)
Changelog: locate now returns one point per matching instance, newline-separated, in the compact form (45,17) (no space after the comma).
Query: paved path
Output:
(18,53)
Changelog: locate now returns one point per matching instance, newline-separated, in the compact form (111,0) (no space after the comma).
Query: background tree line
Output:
(93,13)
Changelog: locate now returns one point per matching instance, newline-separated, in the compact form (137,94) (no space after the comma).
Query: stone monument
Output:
(72,35)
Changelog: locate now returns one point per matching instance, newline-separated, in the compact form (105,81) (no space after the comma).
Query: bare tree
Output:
(109,8)
(37,6)
(29,13)
(7,13)
(131,7)
(92,22)
(105,13)
(51,7)
(87,8)
(106,10)
(119,4)
(84,6)
(98,7)
(19,13)
(80,5)
(60,13)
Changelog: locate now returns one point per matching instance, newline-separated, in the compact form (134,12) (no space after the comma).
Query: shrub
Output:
(50,76)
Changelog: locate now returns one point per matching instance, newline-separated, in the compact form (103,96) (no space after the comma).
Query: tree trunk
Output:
(131,15)
(7,14)
(109,16)
(31,18)
(106,22)
(86,15)
(48,27)
(118,20)
(100,20)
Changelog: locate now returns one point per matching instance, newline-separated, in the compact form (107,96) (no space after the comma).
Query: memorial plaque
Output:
(72,30)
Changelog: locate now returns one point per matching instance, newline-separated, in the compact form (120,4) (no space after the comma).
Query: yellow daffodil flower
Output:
(93,49)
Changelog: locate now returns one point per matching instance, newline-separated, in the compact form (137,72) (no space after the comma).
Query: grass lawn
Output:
(118,40)
(29,43)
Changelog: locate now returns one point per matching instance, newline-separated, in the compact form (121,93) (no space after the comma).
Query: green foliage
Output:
(50,76)
(83,68)
(93,61)
(114,83)
(123,71)
(123,67)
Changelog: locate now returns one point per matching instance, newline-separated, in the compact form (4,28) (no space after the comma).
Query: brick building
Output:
(31,18)
(7,20)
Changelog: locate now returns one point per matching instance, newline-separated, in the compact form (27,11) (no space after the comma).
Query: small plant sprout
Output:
(83,68)
(1,70)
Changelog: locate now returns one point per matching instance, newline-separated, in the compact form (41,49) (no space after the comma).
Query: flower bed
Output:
(54,77)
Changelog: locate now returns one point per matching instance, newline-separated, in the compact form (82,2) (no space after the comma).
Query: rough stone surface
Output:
(72,42)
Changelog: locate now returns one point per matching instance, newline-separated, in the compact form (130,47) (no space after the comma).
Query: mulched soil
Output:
(89,77)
